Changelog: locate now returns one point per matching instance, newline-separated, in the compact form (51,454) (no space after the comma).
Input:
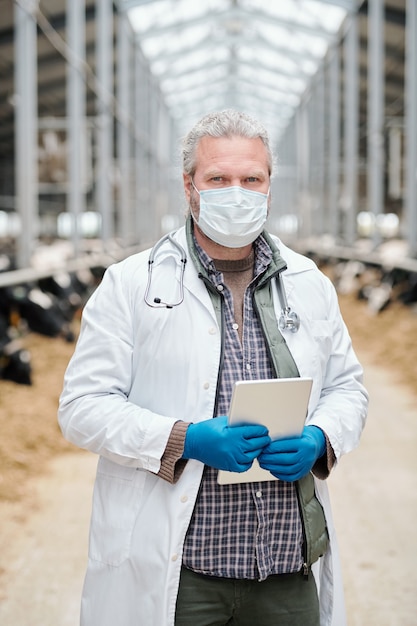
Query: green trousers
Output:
(281,600)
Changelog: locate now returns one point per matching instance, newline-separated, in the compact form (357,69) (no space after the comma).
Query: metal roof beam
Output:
(272,107)
(235,14)
(267,93)
(205,43)
(211,102)
(281,110)
(57,22)
(126,5)
(392,15)
(276,71)
(258,42)
(349,5)
(271,119)
(291,25)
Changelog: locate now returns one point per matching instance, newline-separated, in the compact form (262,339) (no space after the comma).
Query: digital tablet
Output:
(280,404)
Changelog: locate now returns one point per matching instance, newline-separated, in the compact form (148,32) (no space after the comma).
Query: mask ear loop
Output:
(195,220)
(192,182)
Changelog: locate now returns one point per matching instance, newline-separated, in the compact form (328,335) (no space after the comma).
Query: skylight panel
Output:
(251,54)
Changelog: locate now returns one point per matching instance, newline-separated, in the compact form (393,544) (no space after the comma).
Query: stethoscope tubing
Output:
(288,320)
(157,302)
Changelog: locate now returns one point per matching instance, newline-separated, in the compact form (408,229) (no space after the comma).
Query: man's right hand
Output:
(231,448)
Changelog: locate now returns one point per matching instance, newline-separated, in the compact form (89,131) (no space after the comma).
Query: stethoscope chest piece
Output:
(289,320)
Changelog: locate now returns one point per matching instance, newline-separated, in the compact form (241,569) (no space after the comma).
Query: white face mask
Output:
(232,216)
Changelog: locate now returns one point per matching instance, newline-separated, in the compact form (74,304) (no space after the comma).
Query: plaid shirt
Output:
(249,530)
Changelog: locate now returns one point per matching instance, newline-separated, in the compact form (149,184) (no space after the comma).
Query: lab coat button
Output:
(174,557)
(206,385)
(212,331)
(184,498)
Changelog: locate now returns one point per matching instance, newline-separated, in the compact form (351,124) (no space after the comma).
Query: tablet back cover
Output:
(280,404)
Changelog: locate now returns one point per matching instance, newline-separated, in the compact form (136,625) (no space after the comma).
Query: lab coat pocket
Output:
(117,497)
(322,333)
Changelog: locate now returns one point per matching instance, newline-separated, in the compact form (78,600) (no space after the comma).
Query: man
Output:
(148,389)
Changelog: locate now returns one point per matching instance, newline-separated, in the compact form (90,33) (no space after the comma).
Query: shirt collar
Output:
(263,257)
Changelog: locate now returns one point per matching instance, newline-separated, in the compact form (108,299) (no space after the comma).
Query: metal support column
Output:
(280,184)
(351,131)
(153,108)
(124,69)
(320,226)
(105,118)
(411,126)
(334,144)
(26,116)
(303,169)
(292,161)
(138,147)
(376,110)
(141,146)
(164,129)
(76,117)
(175,190)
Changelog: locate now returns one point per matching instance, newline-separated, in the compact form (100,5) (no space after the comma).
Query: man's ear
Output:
(187,186)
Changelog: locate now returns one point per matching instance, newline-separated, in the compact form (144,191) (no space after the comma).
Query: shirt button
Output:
(259,494)
(220,287)
(235,326)
(248,367)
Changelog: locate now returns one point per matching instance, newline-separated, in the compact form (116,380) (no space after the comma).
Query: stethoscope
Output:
(288,320)
(182,259)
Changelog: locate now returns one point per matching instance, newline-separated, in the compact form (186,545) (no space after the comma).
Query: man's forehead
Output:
(220,152)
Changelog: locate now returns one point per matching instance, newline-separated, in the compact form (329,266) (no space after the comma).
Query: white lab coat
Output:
(135,371)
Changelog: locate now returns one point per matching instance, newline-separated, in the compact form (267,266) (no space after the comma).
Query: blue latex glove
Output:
(231,448)
(291,459)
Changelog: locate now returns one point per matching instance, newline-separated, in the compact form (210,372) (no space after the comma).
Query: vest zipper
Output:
(268,349)
(210,287)
(305,567)
(262,282)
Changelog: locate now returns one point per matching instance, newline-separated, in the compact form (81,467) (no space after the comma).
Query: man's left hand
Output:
(291,459)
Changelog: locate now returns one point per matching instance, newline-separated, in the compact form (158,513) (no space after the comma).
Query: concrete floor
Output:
(374,504)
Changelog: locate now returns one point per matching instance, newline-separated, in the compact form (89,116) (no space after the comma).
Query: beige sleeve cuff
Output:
(323,466)
(172,465)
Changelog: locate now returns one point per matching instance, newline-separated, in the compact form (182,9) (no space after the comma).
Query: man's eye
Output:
(252,179)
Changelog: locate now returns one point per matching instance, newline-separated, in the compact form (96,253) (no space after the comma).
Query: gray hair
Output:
(227,123)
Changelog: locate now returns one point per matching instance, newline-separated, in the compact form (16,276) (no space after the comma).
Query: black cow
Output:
(69,290)
(35,309)
(15,360)
(49,305)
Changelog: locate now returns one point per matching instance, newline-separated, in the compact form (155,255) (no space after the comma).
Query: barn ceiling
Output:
(257,55)
(250,54)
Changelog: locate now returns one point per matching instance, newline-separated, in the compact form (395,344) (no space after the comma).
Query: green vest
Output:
(312,515)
